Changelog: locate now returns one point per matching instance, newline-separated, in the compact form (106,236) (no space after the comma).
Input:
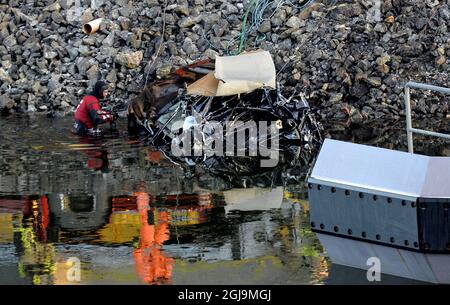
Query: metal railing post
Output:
(409,133)
(409,129)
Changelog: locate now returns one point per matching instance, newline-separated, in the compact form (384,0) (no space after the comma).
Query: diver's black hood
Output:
(98,89)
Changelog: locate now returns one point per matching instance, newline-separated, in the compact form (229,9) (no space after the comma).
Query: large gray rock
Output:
(112,76)
(96,4)
(54,7)
(66,4)
(6,103)
(265,27)
(4,77)
(189,21)
(83,64)
(131,60)
(294,22)
(189,47)
(58,18)
(109,40)
(53,84)
(10,41)
(73,52)
(87,16)
(92,75)
(183,9)
(49,53)
(84,50)
(73,14)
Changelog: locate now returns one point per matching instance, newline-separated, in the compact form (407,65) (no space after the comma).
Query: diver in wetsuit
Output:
(89,113)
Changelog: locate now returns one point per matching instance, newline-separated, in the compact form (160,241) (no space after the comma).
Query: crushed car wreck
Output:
(229,118)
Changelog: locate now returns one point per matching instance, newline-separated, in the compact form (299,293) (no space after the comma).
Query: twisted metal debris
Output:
(299,135)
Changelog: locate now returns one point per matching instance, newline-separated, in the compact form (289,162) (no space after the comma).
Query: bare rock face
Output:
(350,54)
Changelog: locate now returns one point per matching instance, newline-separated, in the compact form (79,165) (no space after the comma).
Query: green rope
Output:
(258,8)
(244,26)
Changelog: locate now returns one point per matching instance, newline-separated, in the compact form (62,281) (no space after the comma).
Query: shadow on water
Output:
(129,216)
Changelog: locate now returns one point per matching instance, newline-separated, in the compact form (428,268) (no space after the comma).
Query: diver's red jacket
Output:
(90,113)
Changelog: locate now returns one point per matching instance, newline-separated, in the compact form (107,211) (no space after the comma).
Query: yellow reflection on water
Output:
(6,228)
(122,228)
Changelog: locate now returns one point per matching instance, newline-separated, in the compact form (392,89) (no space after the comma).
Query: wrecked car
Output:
(229,118)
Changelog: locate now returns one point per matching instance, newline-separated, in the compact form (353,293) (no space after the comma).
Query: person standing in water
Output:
(89,113)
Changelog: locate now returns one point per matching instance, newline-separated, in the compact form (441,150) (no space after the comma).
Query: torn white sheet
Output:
(237,74)
(244,73)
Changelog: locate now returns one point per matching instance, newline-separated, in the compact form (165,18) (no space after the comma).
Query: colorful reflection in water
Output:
(131,216)
(158,239)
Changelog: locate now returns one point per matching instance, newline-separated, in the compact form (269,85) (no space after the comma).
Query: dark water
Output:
(129,216)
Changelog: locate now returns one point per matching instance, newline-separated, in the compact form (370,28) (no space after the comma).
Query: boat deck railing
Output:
(409,129)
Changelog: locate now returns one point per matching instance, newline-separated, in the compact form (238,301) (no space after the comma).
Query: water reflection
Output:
(253,199)
(152,264)
(159,238)
(131,216)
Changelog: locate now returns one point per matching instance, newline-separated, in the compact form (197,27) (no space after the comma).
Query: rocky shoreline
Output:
(351,58)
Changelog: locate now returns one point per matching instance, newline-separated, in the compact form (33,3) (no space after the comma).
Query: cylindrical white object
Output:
(92,26)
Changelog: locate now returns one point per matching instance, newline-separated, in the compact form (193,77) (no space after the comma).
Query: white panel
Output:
(437,183)
(371,168)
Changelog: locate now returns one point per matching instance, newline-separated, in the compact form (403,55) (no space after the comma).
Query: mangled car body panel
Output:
(230,119)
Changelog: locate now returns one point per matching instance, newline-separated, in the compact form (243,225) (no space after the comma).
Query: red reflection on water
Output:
(152,264)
